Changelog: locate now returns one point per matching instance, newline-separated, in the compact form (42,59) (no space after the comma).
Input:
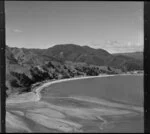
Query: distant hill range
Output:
(135,55)
(27,66)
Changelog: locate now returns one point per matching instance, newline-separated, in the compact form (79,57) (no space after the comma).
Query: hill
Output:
(135,55)
(25,67)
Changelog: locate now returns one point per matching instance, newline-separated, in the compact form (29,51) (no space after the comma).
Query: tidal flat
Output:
(105,104)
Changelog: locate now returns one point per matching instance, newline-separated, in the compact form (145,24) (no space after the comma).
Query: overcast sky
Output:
(113,26)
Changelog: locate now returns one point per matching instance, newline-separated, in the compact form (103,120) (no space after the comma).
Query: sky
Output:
(114,26)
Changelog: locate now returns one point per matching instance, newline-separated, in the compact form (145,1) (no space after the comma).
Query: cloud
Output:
(17,31)
(117,47)
(129,44)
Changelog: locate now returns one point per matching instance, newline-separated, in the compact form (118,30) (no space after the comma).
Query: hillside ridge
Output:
(25,67)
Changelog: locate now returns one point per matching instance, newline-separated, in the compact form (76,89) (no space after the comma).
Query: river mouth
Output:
(64,109)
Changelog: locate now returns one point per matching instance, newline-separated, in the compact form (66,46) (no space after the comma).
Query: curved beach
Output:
(51,117)
(35,95)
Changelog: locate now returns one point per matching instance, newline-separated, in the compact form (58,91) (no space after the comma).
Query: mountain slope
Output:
(75,53)
(135,55)
(25,67)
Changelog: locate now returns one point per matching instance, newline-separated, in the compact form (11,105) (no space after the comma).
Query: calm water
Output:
(126,89)
(103,93)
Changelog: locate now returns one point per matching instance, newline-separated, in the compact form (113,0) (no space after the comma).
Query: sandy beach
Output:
(35,95)
(49,117)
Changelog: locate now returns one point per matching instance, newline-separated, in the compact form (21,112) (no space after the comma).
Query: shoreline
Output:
(27,107)
(35,94)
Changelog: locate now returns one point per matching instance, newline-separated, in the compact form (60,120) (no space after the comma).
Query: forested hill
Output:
(25,67)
